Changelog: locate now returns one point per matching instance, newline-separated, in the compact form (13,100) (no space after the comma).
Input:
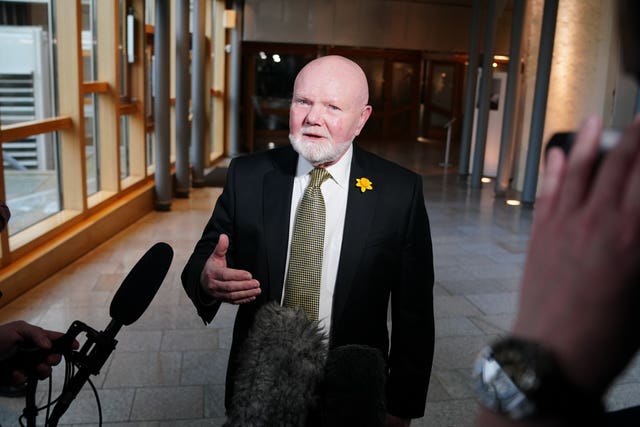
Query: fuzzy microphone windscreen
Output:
(281,363)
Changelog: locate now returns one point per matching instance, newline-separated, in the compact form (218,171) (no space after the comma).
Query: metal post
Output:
(541,93)
(161,107)
(470,92)
(182,99)
(446,163)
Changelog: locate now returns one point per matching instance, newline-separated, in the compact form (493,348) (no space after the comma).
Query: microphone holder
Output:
(128,304)
(89,359)
(31,408)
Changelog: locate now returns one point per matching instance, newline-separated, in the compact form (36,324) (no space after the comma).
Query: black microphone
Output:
(141,284)
(281,364)
(131,300)
(353,389)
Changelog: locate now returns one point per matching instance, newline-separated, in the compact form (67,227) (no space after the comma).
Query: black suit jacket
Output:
(386,251)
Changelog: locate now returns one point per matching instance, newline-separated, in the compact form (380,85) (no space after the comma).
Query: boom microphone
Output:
(130,301)
(141,284)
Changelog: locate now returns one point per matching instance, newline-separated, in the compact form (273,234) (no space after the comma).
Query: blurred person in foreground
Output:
(577,323)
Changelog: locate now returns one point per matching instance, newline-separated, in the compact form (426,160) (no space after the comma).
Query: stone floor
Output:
(168,368)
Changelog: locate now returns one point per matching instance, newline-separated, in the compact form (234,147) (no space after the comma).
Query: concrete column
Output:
(469,92)
(507,142)
(182,99)
(161,106)
(233,132)
(198,95)
(547,35)
(484,97)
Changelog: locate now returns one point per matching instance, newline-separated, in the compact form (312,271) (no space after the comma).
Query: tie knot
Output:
(318,176)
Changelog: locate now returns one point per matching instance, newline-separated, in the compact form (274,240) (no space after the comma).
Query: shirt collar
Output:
(339,171)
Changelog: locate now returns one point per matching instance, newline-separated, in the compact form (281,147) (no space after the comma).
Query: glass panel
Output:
(150,145)
(442,86)
(124,147)
(88,41)
(438,120)
(374,70)
(124,31)
(402,83)
(90,105)
(494,102)
(31,173)
(25,68)
(148,80)
(32,191)
(91,144)
(275,74)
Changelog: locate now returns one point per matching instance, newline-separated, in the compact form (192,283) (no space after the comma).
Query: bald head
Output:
(328,109)
(338,71)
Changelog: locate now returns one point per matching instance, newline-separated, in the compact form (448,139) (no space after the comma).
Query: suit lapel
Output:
(359,214)
(278,185)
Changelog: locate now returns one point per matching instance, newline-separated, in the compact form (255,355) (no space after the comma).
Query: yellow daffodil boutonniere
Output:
(364,184)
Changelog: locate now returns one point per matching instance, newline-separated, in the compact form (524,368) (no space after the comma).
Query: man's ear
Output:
(364,116)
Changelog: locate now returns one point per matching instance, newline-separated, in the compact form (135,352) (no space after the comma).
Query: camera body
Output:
(564,140)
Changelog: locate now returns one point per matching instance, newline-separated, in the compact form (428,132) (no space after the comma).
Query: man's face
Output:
(327,111)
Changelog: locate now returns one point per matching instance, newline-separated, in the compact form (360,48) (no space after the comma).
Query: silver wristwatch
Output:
(521,380)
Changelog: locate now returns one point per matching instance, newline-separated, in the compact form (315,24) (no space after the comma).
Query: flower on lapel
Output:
(364,184)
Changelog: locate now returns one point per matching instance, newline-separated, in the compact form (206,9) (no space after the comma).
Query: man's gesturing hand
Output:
(227,284)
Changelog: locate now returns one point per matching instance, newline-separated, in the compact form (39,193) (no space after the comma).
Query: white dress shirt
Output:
(334,191)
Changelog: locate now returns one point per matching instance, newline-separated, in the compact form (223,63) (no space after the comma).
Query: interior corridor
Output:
(168,368)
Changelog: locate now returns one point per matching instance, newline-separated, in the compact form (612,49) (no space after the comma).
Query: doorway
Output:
(441,99)
(270,70)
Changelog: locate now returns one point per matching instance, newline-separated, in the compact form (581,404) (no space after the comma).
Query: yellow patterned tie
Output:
(302,288)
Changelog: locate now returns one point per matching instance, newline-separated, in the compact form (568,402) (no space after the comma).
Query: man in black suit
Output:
(377,243)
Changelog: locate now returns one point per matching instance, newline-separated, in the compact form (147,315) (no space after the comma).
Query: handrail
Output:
(23,130)
(95,87)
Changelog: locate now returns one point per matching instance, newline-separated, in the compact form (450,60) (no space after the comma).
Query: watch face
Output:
(496,390)
(521,379)
(521,364)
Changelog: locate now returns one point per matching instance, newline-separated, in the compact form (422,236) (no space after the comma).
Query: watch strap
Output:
(534,384)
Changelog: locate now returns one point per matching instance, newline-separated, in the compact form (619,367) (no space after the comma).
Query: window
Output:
(31,164)
(89,72)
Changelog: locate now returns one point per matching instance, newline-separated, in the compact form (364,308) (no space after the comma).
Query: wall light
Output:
(513,202)
(485,180)
(229,18)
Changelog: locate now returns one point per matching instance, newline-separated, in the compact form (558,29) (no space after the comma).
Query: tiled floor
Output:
(168,368)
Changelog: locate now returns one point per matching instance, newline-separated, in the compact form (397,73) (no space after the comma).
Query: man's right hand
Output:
(227,284)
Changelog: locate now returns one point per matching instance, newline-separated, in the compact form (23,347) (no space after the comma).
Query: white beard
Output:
(319,152)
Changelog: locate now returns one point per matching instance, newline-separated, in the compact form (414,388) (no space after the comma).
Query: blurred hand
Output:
(15,332)
(581,285)
(227,284)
